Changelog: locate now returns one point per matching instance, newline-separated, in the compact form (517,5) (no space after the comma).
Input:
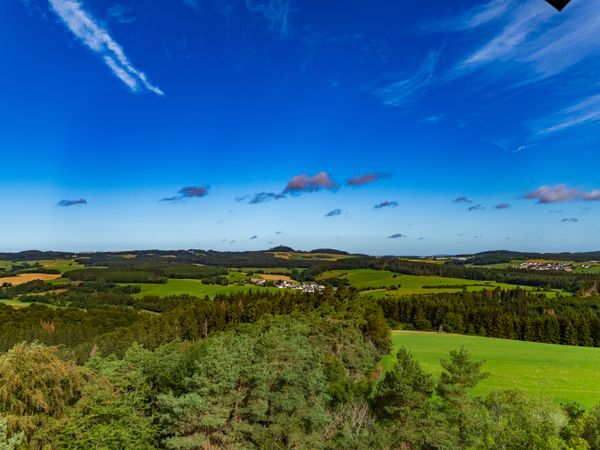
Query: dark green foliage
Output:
(513,314)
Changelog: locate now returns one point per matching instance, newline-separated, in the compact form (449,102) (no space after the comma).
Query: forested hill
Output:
(505,256)
(284,257)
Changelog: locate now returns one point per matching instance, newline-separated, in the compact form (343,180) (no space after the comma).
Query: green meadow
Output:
(383,283)
(560,372)
(192,287)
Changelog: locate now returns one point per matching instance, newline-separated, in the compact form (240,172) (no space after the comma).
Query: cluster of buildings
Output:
(546,265)
(284,284)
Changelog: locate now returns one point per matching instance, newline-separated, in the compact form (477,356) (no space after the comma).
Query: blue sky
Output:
(146,124)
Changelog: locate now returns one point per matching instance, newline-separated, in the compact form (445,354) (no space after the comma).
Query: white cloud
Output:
(97,39)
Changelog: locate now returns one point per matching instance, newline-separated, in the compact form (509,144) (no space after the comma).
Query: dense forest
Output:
(261,370)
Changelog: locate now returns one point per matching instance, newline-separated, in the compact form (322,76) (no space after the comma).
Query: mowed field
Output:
(192,287)
(558,372)
(381,281)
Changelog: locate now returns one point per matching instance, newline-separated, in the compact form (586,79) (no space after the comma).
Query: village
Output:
(550,265)
(284,284)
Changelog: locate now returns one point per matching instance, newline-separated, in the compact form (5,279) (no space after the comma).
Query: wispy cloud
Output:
(96,38)
(434,119)
(474,17)
(304,183)
(193,4)
(121,13)
(263,197)
(403,91)
(334,213)
(67,203)
(368,178)
(570,220)
(476,208)
(584,112)
(386,204)
(501,206)
(241,199)
(188,192)
(397,236)
(462,199)
(536,36)
(277,14)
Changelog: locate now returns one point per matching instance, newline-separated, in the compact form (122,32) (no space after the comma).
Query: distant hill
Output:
(329,251)
(281,249)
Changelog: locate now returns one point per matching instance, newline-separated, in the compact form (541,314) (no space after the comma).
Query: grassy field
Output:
(562,373)
(192,287)
(381,281)
(63,265)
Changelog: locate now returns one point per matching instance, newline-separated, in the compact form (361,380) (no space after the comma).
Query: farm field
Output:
(190,287)
(381,281)
(26,277)
(562,373)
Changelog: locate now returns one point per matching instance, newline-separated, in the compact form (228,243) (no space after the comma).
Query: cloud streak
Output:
(334,213)
(263,197)
(462,199)
(386,204)
(584,112)
(368,178)
(188,192)
(403,91)
(91,34)
(397,236)
(67,203)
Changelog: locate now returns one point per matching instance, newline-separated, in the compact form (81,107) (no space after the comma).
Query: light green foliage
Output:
(34,380)
(591,428)
(562,373)
(519,421)
(36,389)
(115,409)
(8,441)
